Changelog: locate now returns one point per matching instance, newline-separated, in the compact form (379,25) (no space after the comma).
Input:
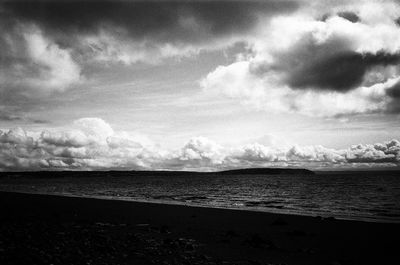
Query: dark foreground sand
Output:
(48,229)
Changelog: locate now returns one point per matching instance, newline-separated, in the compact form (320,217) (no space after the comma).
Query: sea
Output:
(372,196)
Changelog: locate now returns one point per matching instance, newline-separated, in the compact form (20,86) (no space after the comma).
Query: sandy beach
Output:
(48,229)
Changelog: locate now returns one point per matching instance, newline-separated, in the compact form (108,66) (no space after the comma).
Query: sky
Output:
(199,85)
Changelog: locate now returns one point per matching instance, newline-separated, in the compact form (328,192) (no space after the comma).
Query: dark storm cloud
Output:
(394,94)
(18,115)
(48,46)
(339,72)
(350,16)
(397,21)
(4,116)
(394,91)
(331,65)
(170,21)
(39,121)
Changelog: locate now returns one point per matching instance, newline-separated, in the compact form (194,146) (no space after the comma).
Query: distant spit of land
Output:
(242,171)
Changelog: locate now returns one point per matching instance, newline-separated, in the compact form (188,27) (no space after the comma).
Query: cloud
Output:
(393,93)
(386,152)
(340,56)
(4,116)
(10,114)
(165,21)
(236,81)
(340,72)
(93,145)
(198,152)
(131,31)
(256,155)
(33,65)
(350,16)
(94,127)
(340,65)
(50,46)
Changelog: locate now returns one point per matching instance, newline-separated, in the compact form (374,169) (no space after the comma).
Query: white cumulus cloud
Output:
(318,62)
(94,145)
(34,64)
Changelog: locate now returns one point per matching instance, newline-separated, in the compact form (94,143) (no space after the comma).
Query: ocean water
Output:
(370,196)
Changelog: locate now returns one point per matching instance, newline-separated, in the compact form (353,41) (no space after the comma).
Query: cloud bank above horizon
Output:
(91,144)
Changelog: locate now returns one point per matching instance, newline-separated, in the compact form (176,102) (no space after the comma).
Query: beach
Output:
(50,229)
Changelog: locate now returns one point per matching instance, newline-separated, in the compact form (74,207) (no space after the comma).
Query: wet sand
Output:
(49,229)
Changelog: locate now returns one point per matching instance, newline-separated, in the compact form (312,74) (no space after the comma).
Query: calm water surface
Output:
(363,196)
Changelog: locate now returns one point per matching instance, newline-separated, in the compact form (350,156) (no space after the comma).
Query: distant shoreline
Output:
(244,171)
(241,171)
